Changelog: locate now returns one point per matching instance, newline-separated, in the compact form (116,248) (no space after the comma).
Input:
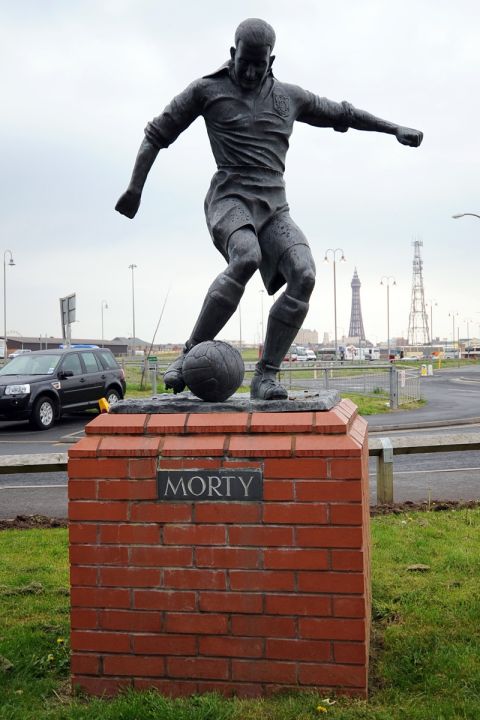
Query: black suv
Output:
(39,386)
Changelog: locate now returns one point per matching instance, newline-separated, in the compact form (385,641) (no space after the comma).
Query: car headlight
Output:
(17,389)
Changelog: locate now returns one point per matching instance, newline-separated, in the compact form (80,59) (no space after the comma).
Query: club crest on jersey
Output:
(281,103)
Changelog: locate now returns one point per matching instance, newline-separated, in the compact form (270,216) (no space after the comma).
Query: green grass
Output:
(379,403)
(369,404)
(135,387)
(426,635)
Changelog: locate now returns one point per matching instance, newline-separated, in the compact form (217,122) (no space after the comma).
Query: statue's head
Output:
(252,54)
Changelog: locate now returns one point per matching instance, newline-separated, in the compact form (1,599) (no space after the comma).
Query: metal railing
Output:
(408,386)
(384,449)
(399,387)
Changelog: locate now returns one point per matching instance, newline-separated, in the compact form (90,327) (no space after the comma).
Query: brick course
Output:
(249,598)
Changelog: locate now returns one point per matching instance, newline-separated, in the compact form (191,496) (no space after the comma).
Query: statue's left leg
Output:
(285,320)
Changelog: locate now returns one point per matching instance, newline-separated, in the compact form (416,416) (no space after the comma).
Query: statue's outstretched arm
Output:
(361,120)
(129,202)
(322,112)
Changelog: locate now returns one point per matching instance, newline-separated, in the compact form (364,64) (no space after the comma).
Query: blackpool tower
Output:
(356,322)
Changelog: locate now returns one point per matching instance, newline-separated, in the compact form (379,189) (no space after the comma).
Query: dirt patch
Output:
(27,522)
(410,506)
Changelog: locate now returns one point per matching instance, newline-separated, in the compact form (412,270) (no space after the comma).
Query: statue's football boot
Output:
(284,320)
(265,385)
(173,377)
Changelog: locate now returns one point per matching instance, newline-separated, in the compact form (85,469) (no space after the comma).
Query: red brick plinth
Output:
(237,597)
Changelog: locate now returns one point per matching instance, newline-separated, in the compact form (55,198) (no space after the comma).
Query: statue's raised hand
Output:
(407,136)
(128,203)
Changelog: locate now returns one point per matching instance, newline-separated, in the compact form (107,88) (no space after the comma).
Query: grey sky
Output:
(81,79)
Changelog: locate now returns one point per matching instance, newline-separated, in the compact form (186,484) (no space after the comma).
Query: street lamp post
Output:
(240,323)
(103,306)
(431,303)
(455,217)
(452,315)
(132,268)
(11,262)
(342,259)
(262,291)
(388,280)
(468,321)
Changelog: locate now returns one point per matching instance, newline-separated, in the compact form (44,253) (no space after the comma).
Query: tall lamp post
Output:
(262,292)
(452,315)
(132,268)
(431,303)
(333,253)
(10,263)
(103,306)
(388,280)
(240,323)
(468,321)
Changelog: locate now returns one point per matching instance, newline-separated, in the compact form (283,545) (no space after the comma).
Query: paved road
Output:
(37,493)
(18,438)
(33,494)
(438,476)
(452,394)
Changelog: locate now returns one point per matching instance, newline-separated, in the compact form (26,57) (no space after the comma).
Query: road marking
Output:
(30,487)
(29,442)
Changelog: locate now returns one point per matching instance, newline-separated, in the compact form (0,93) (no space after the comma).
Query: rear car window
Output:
(90,361)
(108,360)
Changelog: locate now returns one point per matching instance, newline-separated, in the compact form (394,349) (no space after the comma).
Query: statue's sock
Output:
(220,303)
(284,322)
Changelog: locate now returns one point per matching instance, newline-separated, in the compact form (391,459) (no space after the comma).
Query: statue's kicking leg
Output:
(221,300)
(284,321)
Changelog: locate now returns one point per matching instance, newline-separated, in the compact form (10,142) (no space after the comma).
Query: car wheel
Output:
(113,396)
(43,415)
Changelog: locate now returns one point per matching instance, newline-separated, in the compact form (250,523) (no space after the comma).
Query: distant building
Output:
(50,343)
(306,337)
(132,343)
(357,341)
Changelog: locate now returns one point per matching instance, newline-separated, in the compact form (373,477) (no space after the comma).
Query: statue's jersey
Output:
(249,133)
(246,128)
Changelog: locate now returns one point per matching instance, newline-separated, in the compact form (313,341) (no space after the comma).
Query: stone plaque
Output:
(236,484)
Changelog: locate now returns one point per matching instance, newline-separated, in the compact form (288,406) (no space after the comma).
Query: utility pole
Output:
(418,333)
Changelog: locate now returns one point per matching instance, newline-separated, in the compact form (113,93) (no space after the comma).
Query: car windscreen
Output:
(31,364)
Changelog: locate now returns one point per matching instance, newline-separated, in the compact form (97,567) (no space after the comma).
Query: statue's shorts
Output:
(254,197)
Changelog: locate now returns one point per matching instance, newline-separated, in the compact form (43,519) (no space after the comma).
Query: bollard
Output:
(385,473)
(153,372)
(393,388)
